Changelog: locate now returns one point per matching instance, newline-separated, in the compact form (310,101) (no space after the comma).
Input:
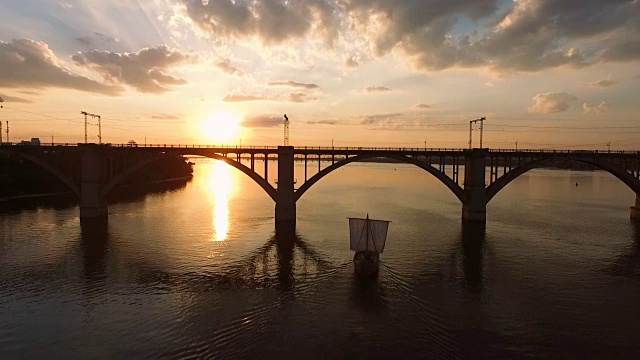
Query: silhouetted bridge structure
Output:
(474,176)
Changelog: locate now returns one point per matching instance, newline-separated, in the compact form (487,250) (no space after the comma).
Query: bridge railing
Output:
(565,151)
(327,148)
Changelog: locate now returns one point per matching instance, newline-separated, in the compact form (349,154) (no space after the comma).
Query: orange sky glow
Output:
(387,73)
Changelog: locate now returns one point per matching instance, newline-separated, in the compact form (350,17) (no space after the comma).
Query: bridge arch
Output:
(264,184)
(504,180)
(448,182)
(62,177)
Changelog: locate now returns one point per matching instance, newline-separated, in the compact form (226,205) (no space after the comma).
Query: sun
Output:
(222,127)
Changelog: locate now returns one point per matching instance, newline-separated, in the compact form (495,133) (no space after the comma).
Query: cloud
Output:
(29,63)
(244,98)
(226,67)
(422,107)
(376,89)
(271,21)
(602,83)
(165,117)
(352,62)
(301,97)
(293,84)
(10,99)
(599,109)
(144,70)
(263,121)
(382,119)
(505,36)
(548,103)
(323,122)
(89,42)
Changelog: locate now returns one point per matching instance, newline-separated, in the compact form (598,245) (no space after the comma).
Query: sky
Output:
(385,73)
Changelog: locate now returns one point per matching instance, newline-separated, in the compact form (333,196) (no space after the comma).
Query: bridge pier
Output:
(635,210)
(285,196)
(475,207)
(93,209)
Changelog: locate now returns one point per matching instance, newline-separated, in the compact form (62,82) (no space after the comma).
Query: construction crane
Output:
(286,130)
(481,120)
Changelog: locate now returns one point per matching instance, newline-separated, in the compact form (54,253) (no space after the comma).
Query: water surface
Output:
(197,271)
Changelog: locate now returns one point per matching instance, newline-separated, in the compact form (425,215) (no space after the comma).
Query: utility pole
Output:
(100,131)
(8,131)
(609,146)
(516,145)
(425,144)
(85,126)
(286,130)
(481,120)
(1,101)
(51,140)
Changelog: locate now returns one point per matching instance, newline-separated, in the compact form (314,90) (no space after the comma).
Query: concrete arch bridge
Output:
(474,176)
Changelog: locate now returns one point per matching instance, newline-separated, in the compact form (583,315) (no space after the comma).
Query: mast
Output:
(367,226)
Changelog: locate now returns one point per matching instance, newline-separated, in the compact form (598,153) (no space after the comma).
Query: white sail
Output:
(367,234)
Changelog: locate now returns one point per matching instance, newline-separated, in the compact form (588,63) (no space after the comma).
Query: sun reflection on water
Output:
(221,188)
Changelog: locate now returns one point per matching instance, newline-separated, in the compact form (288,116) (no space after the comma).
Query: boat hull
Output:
(365,263)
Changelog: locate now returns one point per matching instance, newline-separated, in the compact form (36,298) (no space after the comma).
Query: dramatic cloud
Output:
(293,84)
(523,35)
(376,89)
(226,66)
(143,70)
(28,63)
(89,42)
(13,99)
(599,109)
(262,121)
(271,21)
(549,103)
(606,82)
(300,97)
(244,98)
(422,107)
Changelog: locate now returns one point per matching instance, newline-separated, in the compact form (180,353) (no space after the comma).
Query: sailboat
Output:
(368,238)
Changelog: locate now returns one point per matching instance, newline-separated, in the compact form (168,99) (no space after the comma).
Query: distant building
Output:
(33,142)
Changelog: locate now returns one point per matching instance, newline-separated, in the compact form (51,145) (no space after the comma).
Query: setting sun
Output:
(222,127)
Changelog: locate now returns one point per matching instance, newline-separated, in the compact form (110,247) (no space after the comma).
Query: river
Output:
(196,272)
